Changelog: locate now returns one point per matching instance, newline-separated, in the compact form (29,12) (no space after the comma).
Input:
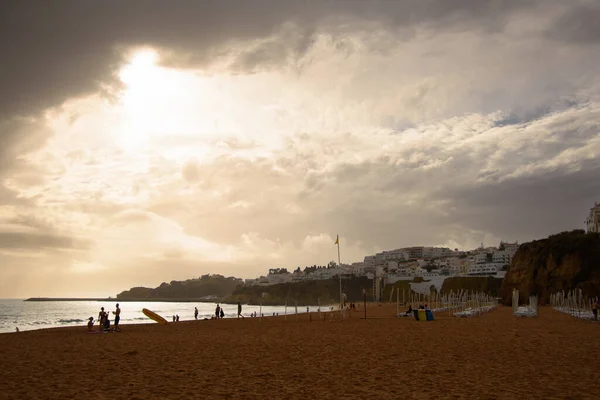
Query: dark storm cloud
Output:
(538,205)
(53,51)
(36,241)
(579,25)
(29,232)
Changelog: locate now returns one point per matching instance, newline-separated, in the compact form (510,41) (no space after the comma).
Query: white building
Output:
(502,256)
(261,281)
(324,273)
(510,247)
(479,258)
(358,268)
(369,261)
(592,222)
(436,252)
(457,264)
(391,255)
(404,271)
(279,278)
(484,269)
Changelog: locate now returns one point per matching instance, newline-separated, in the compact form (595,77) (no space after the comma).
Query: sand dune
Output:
(494,356)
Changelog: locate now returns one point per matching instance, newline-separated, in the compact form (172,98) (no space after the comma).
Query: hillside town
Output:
(405,263)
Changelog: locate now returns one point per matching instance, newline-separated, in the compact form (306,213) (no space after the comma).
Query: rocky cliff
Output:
(305,292)
(482,284)
(566,261)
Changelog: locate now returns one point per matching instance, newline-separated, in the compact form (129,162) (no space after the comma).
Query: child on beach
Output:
(90,324)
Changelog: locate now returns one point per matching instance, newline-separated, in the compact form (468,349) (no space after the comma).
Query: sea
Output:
(30,315)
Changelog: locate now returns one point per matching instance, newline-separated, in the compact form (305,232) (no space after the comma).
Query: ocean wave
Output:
(69,321)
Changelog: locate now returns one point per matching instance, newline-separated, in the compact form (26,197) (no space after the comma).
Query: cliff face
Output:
(566,261)
(483,284)
(305,293)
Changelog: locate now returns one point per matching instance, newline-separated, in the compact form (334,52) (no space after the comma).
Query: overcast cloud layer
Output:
(143,142)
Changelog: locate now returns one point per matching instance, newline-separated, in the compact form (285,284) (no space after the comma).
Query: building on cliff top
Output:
(593,219)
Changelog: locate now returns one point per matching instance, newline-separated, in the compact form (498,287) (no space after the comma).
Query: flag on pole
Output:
(337,241)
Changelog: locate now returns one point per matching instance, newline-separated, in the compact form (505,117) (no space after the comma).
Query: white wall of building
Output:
(484,269)
(593,219)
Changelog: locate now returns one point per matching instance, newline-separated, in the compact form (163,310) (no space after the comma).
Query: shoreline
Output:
(157,300)
(162,300)
(304,316)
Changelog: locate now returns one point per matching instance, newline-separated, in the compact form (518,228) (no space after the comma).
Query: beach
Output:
(493,356)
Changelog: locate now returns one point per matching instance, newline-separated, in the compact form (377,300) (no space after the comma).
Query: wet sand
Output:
(494,356)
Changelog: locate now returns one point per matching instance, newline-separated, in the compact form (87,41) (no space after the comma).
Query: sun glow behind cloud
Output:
(182,112)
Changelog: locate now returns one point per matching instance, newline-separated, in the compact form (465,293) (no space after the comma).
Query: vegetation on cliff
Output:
(207,285)
(304,292)
(565,261)
(482,284)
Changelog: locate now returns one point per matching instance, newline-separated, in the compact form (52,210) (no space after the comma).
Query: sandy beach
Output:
(494,356)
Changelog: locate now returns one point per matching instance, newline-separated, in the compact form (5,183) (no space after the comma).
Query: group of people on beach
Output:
(104,320)
(410,311)
(219,312)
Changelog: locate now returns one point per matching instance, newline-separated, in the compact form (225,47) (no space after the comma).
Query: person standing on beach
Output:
(117,313)
(595,310)
(222,315)
(218,311)
(195,312)
(101,316)
(240,310)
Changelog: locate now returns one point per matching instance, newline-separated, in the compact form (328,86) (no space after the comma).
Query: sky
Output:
(149,141)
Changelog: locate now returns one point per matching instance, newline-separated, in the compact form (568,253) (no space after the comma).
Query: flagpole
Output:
(340,275)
